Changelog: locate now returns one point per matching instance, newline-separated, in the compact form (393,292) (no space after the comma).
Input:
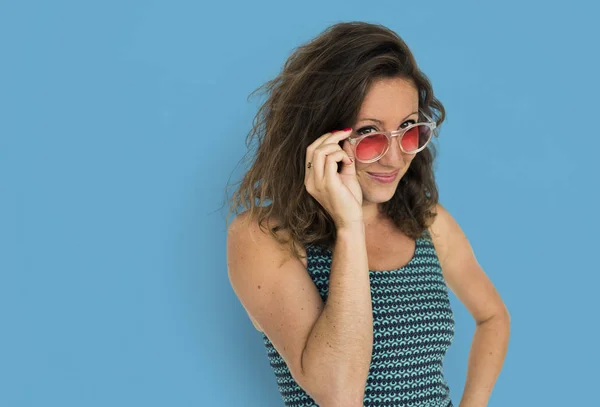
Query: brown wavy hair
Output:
(321,88)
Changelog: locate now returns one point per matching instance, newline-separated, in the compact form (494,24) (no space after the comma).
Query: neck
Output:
(372,213)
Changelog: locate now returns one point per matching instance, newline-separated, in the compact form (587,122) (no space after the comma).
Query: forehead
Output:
(388,98)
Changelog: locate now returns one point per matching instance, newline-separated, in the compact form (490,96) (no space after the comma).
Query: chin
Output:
(380,196)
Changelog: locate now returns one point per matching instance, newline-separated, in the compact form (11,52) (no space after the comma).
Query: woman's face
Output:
(390,104)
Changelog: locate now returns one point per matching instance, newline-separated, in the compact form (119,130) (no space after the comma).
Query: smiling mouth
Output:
(384,174)
(384,178)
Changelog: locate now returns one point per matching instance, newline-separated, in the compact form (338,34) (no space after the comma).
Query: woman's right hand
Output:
(338,192)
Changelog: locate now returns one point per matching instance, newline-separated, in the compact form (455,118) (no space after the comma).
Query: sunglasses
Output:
(412,139)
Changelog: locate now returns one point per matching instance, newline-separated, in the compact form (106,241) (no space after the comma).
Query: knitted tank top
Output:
(413,327)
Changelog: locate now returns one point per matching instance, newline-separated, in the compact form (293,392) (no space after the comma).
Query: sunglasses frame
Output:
(354,141)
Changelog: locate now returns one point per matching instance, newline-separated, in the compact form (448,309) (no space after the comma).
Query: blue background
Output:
(122,122)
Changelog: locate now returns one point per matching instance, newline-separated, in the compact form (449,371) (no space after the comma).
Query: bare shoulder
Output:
(451,244)
(462,272)
(244,230)
(274,287)
(442,230)
(248,243)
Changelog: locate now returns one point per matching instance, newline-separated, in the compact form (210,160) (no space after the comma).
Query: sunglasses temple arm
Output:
(427,116)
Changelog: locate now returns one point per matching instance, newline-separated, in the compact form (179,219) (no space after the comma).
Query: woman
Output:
(344,256)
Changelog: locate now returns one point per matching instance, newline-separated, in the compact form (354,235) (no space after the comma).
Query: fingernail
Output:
(351,159)
(347,129)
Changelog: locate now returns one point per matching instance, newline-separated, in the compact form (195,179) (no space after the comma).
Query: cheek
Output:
(360,167)
(408,159)
(362,176)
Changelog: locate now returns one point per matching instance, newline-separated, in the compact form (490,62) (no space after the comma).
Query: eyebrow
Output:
(380,122)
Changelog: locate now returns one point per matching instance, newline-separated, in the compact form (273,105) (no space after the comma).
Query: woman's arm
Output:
(327,347)
(467,280)
(338,350)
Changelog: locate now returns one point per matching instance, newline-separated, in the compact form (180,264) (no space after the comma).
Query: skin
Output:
(394,104)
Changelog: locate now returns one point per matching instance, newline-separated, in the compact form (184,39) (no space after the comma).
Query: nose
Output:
(394,156)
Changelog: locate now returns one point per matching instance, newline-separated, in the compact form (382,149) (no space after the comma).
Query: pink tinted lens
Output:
(416,138)
(371,147)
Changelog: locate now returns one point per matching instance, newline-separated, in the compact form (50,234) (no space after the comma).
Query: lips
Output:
(384,174)
(385,177)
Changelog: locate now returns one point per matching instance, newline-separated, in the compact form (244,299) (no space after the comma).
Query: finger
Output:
(331,167)
(348,166)
(311,149)
(319,158)
(331,137)
(327,138)
(337,136)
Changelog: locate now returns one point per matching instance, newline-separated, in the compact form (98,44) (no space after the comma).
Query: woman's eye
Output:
(366,130)
(371,129)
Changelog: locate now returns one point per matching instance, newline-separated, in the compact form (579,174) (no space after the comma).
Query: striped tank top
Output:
(413,327)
